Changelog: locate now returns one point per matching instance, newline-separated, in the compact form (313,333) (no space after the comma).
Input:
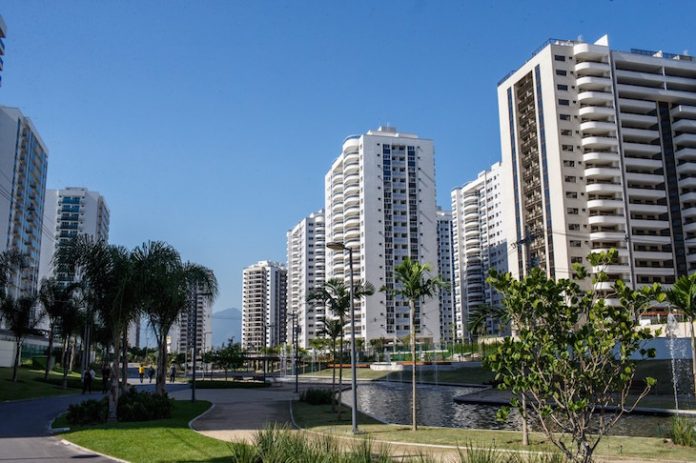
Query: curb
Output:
(86,450)
(52,430)
(190,423)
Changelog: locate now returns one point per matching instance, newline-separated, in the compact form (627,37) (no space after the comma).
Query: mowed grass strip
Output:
(30,384)
(319,418)
(168,440)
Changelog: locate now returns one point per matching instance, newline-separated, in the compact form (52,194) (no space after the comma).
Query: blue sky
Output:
(210,124)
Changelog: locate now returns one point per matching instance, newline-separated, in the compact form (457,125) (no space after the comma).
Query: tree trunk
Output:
(50,352)
(124,359)
(525,430)
(340,380)
(18,355)
(414,424)
(693,353)
(72,353)
(113,397)
(333,379)
(64,361)
(162,366)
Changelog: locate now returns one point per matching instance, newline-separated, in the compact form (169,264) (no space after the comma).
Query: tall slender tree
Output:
(166,283)
(683,297)
(336,297)
(333,330)
(414,284)
(56,299)
(22,319)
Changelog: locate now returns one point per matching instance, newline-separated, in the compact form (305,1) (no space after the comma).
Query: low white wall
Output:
(7,352)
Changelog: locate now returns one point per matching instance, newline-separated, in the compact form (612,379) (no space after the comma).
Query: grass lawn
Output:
(363,373)
(320,418)
(30,384)
(168,440)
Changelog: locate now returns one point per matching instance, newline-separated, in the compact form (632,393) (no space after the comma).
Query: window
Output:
(562,87)
(575,243)
(570,179)
(573,226)
(561,72)
(567,163)
(572,211)
(576,260)
(566,132)
(567,147)
(559,58)
(563,102)
(571,194)
(565,117)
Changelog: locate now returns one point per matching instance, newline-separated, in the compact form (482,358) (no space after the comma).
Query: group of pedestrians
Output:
(88,377)
(150,373)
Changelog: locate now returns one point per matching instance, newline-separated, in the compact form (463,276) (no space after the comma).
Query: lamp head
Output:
(336,245)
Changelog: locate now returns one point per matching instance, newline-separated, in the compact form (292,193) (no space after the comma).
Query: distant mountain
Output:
(227,324)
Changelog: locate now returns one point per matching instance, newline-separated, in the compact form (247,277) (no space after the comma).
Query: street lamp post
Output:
(340,246)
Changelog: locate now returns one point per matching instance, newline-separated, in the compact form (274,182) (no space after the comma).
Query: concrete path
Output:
(239,413)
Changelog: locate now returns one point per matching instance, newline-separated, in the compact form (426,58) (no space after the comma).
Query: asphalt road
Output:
(25,435)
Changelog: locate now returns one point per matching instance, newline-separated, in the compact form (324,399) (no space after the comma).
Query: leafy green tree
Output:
(56,299)
(21,319)
(414,284)
(229,357)
(166,282)
(683,297)
(333,330)
(570,357)
(336,297)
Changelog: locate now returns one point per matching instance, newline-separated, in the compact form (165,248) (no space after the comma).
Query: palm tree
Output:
(21,319)
(107,278)
(334,295)
(414,285)
(333,329)
(11,261)
(683,297)
(166,284)
(56,299)
(68,324)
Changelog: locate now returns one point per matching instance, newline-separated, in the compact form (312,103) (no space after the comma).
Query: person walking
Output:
(150,373)
(87,377)
(172,373)
(141,372)
(106,376)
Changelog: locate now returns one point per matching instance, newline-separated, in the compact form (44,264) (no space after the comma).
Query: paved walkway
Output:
(239,413)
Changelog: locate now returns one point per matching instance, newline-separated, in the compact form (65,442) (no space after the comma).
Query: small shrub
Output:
(684,431)
(314,396)
(143,406)
(88,412)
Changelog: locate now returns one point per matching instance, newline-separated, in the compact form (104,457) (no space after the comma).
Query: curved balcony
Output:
(603,188)
(602,173)
(589,68)
(471,207)
(604,204)
(603,286)
(351,234)
(636,106)
(685,125)
(352,167)
(689,182)
(351,221)
(611,269)
(595,97)
(690,227)
(606,220)
(351,178)
(589,51)
(688,212)
(654,271)
(474,232)
(352,190)
(684,111)
(641,120)
(351,200)
(605,156)
(473,267)
(471,215)
(598,143)
(597,127)
(623,252)
(603,84)
(596,112)
(639,78)
(607,236)
(472,251)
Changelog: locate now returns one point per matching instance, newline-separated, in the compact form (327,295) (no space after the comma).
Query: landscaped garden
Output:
(31,384)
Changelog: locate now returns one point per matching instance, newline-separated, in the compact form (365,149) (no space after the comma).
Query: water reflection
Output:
(391,403)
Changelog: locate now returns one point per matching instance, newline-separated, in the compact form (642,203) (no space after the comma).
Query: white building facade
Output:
(480,245)
(445,267)
(306,271)
(23,166)
(70,212)
(380,202)
(194,324)
(264,302)
(3,31)
(599,149)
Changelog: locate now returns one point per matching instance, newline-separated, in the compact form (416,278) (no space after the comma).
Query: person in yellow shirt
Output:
(141,372)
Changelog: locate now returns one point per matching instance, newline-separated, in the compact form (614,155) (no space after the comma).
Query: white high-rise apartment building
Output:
(599,150)
(23,165)
(306,271)
(445,265)
(380,202)
(264,302)
(195,324)
(479,245)
(70,212)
